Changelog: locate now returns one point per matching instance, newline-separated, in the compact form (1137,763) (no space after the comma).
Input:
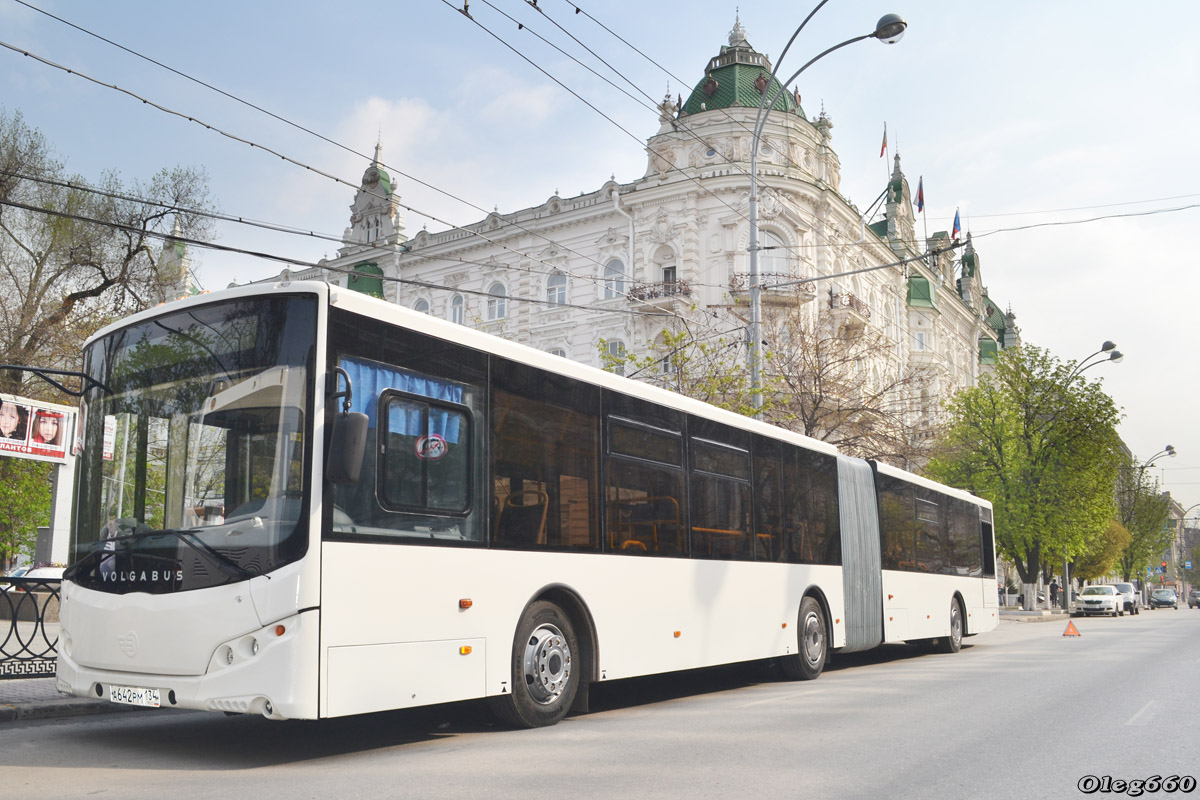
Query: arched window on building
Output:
(668,357)
(497,304)
(772,261)
(616,351)
(664,258)
(422,306)
(556,289)
(614,279)
(457,313)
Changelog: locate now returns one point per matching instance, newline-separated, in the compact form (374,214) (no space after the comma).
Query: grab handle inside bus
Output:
(348,441)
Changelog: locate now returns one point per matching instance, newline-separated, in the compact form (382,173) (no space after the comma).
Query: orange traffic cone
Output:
(1071,630)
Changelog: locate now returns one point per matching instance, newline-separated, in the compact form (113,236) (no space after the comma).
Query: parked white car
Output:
(1100,600)
(1129,597)
(45,573)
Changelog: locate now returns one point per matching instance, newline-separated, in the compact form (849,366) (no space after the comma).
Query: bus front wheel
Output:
(813,642)
(545,676)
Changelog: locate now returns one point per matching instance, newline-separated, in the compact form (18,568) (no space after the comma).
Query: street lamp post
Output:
(1113,354)
(1166,452)
(1116,357)
(888,30)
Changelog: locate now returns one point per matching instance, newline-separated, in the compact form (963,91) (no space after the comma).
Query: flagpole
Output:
(924,218)
(884,153)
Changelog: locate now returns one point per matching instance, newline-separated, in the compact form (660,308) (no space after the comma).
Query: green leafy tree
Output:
(705,365)
(25,498)
(1144,511)
(1101,553)
(1040,443)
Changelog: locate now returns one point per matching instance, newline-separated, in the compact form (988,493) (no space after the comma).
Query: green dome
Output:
(737,77)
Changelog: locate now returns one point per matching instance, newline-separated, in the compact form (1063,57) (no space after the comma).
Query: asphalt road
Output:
(1022,712)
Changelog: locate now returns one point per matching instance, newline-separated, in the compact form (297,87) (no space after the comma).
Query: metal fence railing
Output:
(28,627)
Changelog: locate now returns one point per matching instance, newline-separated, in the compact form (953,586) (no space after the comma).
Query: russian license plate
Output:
(134,696)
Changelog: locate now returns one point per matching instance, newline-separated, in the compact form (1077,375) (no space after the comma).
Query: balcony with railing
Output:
(661,294)
(778,288)
(849,311)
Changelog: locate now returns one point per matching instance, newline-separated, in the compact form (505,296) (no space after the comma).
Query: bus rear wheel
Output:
(953,642)
(813,642)
(545,676)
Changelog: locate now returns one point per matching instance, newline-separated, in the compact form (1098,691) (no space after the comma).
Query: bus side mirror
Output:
(343,462)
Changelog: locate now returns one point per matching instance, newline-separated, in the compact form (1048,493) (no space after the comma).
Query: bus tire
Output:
(813,644)
(953,642)
(545,672)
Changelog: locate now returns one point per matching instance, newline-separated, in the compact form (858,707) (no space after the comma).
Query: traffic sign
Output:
(1187,565)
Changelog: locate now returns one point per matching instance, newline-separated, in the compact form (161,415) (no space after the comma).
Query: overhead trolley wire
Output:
(290,160)
(311,265)
(308,131)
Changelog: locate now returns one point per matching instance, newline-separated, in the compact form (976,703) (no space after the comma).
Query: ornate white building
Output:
(572,273)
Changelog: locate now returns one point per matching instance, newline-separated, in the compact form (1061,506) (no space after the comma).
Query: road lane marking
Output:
(1135,719)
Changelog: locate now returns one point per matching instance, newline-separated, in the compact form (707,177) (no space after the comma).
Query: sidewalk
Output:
(36,698)
(1033,615)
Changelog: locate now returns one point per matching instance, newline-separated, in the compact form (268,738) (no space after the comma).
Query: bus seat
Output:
(521,519)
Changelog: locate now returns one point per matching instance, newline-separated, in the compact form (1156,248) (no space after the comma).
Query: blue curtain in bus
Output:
(371,379)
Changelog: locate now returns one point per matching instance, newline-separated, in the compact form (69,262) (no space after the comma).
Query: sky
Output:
(1028,117)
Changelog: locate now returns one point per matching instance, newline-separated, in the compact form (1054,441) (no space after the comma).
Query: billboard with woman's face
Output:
(32,429)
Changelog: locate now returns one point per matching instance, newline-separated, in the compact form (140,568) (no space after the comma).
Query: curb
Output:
(65,707)
(1033,617)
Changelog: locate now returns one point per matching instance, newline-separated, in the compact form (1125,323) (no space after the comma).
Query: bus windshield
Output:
(193,468)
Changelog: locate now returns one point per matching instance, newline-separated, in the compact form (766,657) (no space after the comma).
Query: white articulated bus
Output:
(298,501)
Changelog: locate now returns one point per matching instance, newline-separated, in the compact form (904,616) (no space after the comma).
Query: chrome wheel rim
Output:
(812,641)
(955,623)
(547,664)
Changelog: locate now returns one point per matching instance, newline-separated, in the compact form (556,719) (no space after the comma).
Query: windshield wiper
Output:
(223,562)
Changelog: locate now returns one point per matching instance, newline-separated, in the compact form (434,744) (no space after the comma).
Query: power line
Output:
(589,104)
(290,160)
(724,111)
(303,129)
(678,125)
(301,263)
(82,187)
(260,109)
(1151,212)
(1084,208)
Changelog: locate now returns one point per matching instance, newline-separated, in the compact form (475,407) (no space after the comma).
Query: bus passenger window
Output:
(931,541)
(645,501)
(720,492)
(545,435)
(768,493)
(426,456)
